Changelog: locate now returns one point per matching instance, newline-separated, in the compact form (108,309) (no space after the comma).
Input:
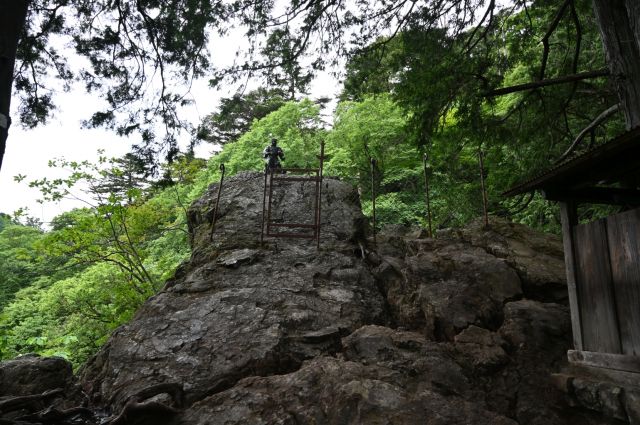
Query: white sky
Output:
(28,151)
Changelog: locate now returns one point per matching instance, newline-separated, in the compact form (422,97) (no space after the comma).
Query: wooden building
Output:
(602,257)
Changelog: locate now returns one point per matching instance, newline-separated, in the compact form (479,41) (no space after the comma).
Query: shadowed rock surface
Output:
(463,329)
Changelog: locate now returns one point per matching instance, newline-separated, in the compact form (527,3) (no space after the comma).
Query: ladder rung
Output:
(292,235)
(292,225)
(297,179)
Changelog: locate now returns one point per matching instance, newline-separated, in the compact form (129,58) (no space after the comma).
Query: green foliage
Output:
(237,113)
(296,125)
(19,262)
(77,282)
(397,208)
(439,78)
(5,220)
(71,317)
(374,128)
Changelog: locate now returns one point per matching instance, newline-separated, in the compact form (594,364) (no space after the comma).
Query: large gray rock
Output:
(383,377)
(240,214)
(32,374)
(428,331)
(237,310)
(537,257)
(444,287)
(538,336)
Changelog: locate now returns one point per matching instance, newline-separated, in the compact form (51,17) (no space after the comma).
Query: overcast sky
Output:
(28,151)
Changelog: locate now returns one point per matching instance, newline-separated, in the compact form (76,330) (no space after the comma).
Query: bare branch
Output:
(597,121)
(545,39)
(549,82)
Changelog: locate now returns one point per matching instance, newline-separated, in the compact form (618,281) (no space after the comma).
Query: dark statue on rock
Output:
(272,155)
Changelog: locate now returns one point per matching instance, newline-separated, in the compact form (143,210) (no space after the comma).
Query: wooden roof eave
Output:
(581,178)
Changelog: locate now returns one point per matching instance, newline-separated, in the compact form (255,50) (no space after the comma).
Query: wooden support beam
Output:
(605,360)
(595,195)
(569,218)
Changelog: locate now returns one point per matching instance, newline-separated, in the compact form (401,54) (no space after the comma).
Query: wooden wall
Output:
(607,281)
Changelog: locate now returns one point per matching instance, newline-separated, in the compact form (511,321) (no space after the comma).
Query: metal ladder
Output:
(273,177)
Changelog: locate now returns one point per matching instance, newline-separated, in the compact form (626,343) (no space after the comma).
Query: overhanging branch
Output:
(548,82)
(596,122)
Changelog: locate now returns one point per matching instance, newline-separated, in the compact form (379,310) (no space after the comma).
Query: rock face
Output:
(533,255)
(33,374)
(236,310)
(463,329)
(30,382)
(382,377)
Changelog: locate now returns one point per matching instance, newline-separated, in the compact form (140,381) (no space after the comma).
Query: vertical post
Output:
(373,198)
(425,158)
(215,211)
(569,217)
(320,193)
(264,207)
(316,203)
(271,170)
(484,189)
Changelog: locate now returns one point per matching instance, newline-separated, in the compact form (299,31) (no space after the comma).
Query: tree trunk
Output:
(619,24)
(12,17)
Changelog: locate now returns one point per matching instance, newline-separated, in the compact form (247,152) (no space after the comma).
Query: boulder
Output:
(329,390)
(447,286)
(535,325)
(537,257)
(31,374)
(456,330)
(238,310)
(482,349)
(538,336)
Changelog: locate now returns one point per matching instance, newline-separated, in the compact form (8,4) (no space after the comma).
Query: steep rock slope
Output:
(462,329)
(236,310)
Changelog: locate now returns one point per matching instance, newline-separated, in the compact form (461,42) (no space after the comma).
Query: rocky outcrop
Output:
(442,287)
(535,256)
(32,374)
(36,389)
(466,328)
(237,310)
(382,377)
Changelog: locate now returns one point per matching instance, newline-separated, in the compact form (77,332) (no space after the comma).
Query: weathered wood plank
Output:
(624,248)
(606,360)
(623,378)
(595,289)
(569,219)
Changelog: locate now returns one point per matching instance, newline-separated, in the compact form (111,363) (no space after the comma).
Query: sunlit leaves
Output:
(297,127)
(93,269)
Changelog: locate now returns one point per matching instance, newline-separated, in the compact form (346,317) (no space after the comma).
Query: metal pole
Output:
(484,189)
(425,158)
(215,211)
(373,198)
(271,170)
(316,203)
(320,194)
(264,198)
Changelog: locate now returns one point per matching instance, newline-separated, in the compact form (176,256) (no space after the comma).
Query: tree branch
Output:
(549,82)
(545,39)
(597,121)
